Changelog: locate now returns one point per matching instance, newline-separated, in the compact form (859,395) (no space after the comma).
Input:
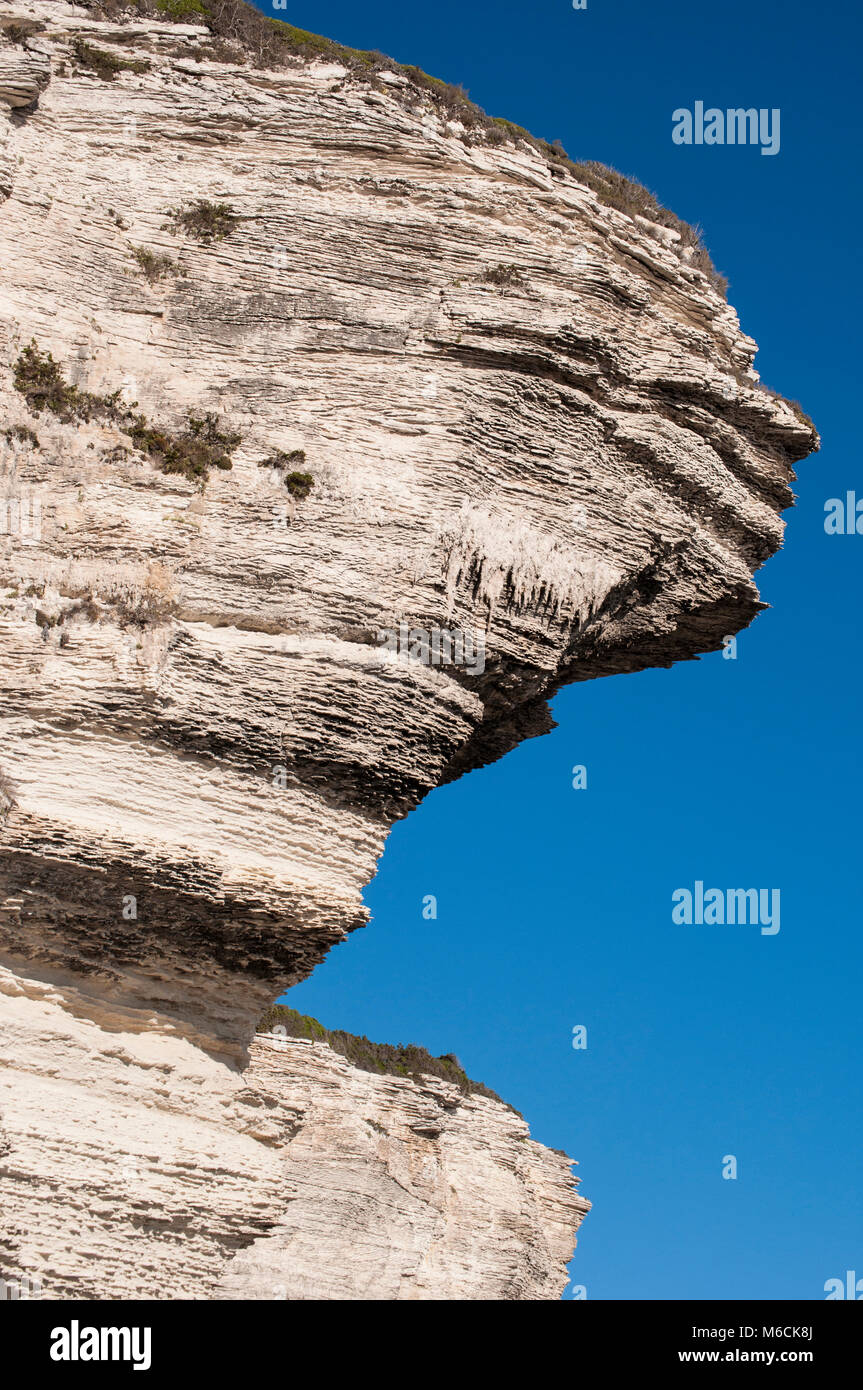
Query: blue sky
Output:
(555,904)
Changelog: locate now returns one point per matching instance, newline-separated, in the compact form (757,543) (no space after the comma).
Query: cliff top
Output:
(237,32)
(403,1059)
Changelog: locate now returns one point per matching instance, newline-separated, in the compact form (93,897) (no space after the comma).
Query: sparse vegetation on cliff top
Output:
(273,43)
(405,1059)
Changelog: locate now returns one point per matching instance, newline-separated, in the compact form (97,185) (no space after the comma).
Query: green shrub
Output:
(507,276)
(181,9)
(191,451)
(205,221)
(298,483)
(107,66)
(22,434)
(17,30)
(39,379)
(153,266)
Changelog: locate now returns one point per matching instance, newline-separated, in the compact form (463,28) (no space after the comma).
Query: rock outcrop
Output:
(136,1167)
(520,415)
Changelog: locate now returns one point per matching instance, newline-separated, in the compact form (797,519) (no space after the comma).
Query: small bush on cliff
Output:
(281,459)
(298,483)
(383,1058)
(39,379)
(17,30)
(191,451)
(21,434)
(153,265)
(505,276)
(205,221)
(107,66)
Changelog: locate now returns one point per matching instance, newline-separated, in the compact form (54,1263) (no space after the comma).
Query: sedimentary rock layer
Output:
(135,1168)
(203,742)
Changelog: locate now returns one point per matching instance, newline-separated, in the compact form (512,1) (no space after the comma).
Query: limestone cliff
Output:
(289,356)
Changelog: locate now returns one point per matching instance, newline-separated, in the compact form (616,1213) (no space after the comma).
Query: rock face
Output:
(135,1166)
(570,464)
(418,1192)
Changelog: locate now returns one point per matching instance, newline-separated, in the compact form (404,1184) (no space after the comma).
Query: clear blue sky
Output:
(554,904)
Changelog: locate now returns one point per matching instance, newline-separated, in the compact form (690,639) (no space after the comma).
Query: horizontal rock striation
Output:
(138,1168)
(527,416)
(414,1190)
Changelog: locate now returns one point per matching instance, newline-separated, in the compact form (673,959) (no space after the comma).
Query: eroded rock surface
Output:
(203,743)
(139,1168)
